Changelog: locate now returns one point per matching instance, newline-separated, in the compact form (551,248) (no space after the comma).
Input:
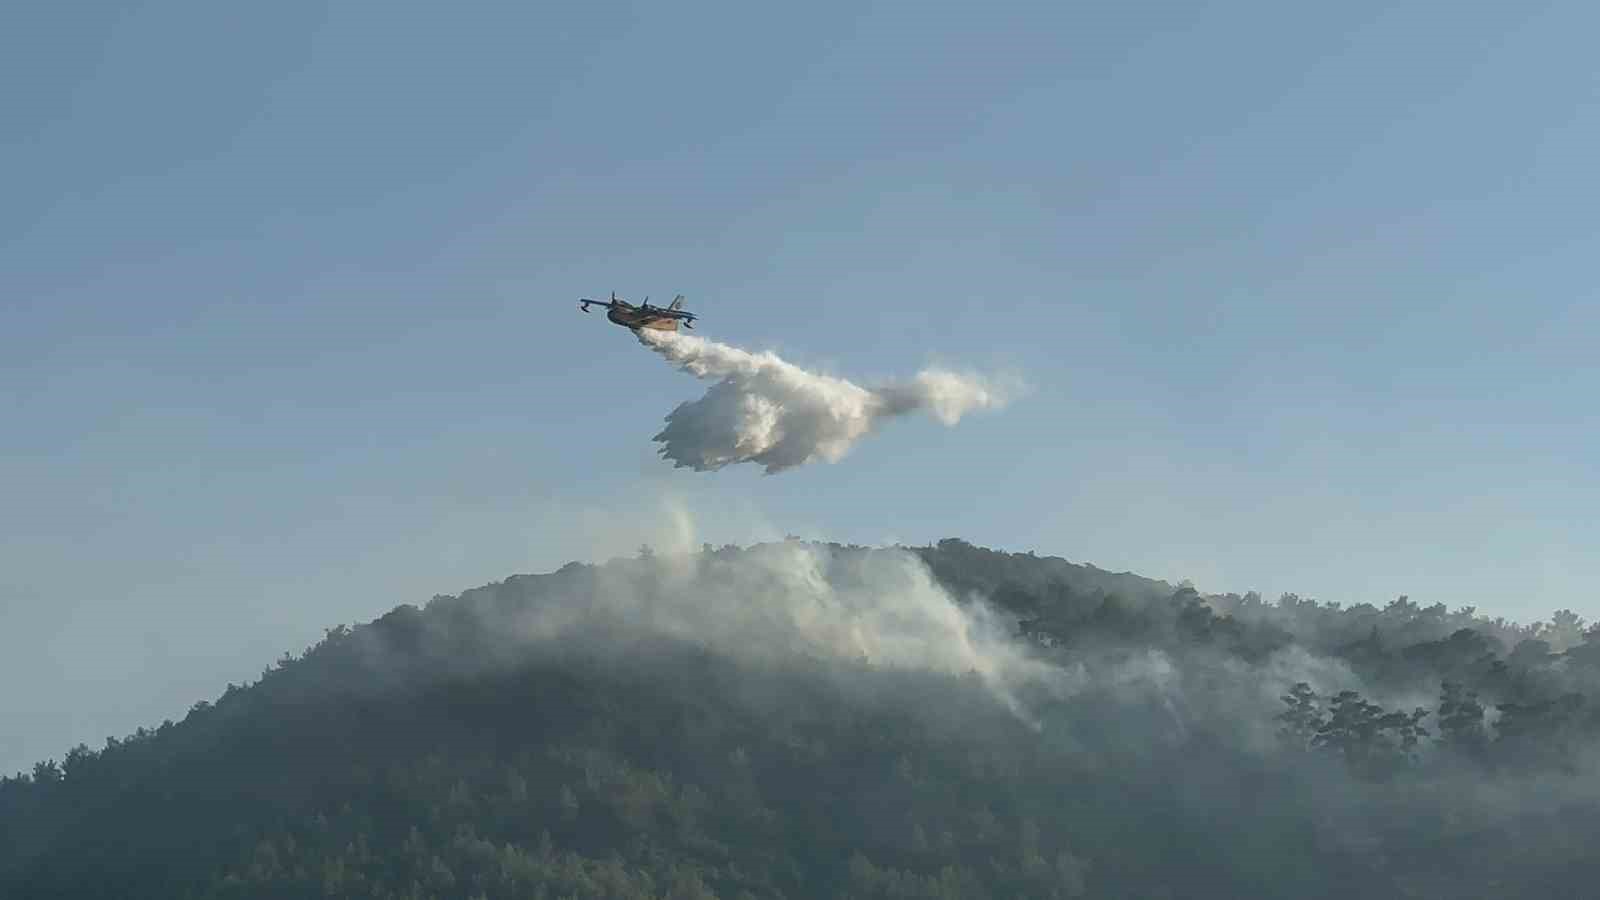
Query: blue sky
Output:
(1305,293)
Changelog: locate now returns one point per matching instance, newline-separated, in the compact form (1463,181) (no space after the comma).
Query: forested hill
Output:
(813,720)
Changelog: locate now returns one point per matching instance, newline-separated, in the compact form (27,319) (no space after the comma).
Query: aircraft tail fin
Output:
(677,302)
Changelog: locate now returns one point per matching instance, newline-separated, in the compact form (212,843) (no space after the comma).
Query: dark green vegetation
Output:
(1164,744)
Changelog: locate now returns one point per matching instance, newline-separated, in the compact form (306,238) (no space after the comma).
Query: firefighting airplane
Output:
(644,316)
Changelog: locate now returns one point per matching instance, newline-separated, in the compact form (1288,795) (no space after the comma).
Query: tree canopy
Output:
(1017,726)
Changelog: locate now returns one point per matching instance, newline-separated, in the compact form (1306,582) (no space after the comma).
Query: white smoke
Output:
(789,601)
(770,412)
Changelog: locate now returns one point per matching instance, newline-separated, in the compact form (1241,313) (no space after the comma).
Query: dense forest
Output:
(813,720)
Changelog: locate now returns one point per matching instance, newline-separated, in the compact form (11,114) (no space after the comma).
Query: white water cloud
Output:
(772,413)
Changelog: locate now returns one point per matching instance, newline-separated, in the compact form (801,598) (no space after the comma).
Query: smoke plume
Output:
(785,602)
(772,413)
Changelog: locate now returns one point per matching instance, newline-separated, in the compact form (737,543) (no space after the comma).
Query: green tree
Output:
(1461,720)
(1373,742)
(1300,724)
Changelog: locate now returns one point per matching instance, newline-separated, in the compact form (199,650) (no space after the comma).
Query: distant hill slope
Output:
(965,567)
(804,720)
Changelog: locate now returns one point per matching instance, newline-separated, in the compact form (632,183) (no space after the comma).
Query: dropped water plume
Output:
(772,413)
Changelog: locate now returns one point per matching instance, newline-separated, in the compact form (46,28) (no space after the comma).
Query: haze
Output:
(290,337)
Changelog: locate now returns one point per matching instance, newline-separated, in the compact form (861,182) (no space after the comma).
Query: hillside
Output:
(812,720)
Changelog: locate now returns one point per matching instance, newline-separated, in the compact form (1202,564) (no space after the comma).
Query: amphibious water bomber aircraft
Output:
(643,316)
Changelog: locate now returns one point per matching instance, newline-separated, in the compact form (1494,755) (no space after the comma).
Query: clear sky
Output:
(1306,293)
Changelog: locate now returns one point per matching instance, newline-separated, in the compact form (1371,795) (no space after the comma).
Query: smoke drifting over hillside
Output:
(838,720)
(772,413)
(785,604)
(1112,675)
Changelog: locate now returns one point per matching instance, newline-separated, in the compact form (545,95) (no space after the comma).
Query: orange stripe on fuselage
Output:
(634,319)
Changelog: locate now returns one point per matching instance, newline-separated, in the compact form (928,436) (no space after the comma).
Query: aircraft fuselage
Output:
(638,318)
